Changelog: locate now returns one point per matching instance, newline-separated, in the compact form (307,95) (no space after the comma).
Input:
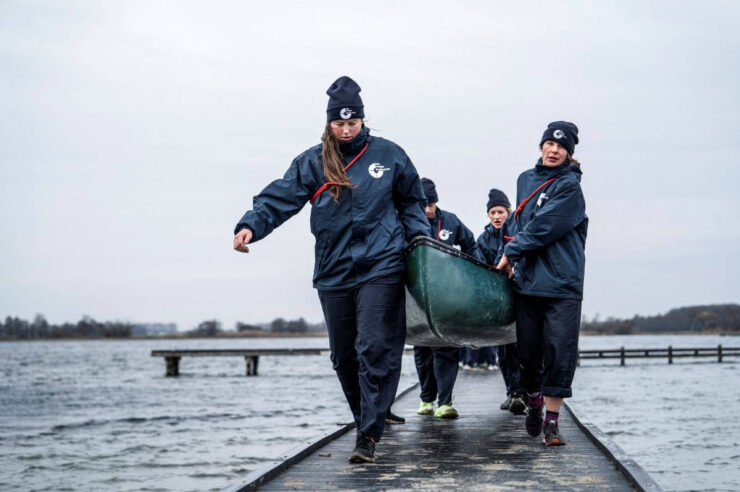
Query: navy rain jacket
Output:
(549,233)
(363,235)
(448,229)
(489,243)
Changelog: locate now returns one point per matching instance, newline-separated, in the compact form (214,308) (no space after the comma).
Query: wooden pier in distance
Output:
(485,449)
(669,353)
(251,356)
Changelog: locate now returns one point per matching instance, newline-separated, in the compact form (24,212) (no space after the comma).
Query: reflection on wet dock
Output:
(485,449)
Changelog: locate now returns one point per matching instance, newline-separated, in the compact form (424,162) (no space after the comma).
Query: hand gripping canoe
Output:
(455,300)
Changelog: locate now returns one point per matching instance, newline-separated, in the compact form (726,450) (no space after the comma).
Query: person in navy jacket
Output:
(437,366)
(489,242)
(367,204)
(545,254)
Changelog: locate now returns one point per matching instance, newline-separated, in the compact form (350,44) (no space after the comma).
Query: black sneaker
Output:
(552,434)
(506,404)
(517,407)
(392,418)
(533,422)
(364,451)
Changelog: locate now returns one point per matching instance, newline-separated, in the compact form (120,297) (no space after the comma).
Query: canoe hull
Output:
(454,300)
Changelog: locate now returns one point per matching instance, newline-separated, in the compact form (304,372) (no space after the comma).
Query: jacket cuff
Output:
(511,253)
(241,226)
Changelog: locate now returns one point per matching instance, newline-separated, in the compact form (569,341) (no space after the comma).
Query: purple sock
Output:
(535,400)
(551,416)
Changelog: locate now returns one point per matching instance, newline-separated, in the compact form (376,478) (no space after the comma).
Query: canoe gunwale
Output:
(427,241)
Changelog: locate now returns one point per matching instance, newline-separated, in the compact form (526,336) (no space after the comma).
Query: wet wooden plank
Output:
(485,449)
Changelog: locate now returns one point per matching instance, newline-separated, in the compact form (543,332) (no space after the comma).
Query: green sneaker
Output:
(425,408)
(446,412)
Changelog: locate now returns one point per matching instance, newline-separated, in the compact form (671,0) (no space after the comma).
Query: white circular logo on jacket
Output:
(444,234)
(346,113)
(377,169)
(558,134)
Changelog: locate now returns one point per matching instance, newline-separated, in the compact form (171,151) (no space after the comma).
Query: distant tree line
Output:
(87,327)
(212,327)
(693,319)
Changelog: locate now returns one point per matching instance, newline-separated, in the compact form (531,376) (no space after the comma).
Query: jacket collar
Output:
(354,146)
(492,230)
(548,172)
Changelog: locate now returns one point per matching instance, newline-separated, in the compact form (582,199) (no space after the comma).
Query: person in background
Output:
(489,242)
(367,204)
(545,254)
(478,359)
(437,366)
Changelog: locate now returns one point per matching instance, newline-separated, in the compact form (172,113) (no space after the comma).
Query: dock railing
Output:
(669,353)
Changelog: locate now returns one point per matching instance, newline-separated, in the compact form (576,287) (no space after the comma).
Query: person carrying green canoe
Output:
(545,254)
(367,205)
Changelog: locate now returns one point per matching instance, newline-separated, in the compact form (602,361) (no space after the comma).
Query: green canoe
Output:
(454,300)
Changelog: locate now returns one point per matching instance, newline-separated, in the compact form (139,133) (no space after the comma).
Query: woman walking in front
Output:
(367,203)
(544,252)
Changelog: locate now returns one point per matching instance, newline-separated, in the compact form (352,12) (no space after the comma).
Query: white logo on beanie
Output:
(444,234)
(559,134)
(346,113)
(377,169)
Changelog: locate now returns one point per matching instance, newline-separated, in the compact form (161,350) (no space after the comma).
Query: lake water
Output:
(101,415)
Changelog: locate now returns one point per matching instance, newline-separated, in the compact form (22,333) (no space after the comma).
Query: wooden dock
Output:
(251,356)
(485,449)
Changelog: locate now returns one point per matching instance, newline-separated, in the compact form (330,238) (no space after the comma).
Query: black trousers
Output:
(437,369)
(547,340)
(367,332)
(508,362)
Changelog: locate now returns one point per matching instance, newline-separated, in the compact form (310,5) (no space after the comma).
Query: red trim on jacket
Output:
(329,183)
(524,202)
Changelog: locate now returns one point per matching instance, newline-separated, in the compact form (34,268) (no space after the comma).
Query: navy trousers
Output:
(547,339)
(508,362)
(487,355)
(437,369)
(367,332)
(478,356)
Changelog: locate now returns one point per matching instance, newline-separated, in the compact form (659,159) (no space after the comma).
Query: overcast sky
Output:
(135,134)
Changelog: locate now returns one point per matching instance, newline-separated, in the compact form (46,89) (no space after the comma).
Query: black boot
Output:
(517,407)
(552,434)
(364,451)
(506,404)
(533,421)
(392,418)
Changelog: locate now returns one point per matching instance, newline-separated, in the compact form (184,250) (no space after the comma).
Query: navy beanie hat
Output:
(429,190)
(562,132)
(344,100)
(495,198)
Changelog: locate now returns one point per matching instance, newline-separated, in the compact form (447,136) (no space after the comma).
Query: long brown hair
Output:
(333,162)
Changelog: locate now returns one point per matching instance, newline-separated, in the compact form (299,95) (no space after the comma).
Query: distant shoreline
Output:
(174,336)
(232,335)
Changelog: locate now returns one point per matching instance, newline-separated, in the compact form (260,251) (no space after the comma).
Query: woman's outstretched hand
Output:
(505,266)
(241,240)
